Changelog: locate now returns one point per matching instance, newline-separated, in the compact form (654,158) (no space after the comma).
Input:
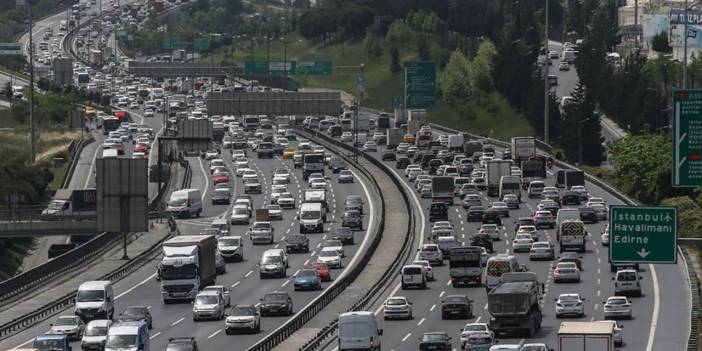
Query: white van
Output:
(185,203)
(497,266)
(359,331)
(128,336)
(627,283)
(413,275)
(566,214)
(95,300)
(311,218)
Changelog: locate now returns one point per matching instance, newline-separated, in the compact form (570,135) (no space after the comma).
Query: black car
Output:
(187,343)
(402,162)
(492,217)
(388,155)
(506,155)
(354,202)
(276,303)
(221,196)
(345,234)
(465,169)
(475,213)
(570,198)
(434,165)
(438,211)
(135,313)
(352,219)
(482,240)
(435,341)
(456,306)
(264,149)
(297,243)
(587,214)
(552,207)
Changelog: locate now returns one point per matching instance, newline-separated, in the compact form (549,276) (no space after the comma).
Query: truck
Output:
(510,185)
(178,55)
(455,142)
(218,131)
(523,148)
(317,196)
(83,79)
(465,266)
(571,235)
(75,204)
(312,163)
(442,190)
(494,171)
(394,137)
(188,265)
(586,336)
(383,121)
(573,178)
(95,57)
(471,147)
(423,137)
(533,169)
(363,121)
(514,304)
(400,117)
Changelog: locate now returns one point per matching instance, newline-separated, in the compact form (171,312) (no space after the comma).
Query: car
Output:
(276,303)
(388,155)
(435,341)
(221,196)
(240,215)
(627,283)
(70,326)
(95,334)
(135,313)
(370,146)
(208,305)
(491,229)
(425,192)
(223,290)
(474,329)
(322,270)
(318,184)
(331,257)
(344,234)
(307,279)
(566,272)
(605,236)
(429,272)
(336,244)
(242,317)
(431,253)
(211,155)
(297,243)
(542,250)
(511,200)
(544,219)
(346,137)
(262,233)
(492,216)
(563,66)
(553,54)
(587,214)
(535,347)
(617,307)
(571,257)
(484,241)
(230,247)
(522,242)
(571,198)
(397,307)
(221,176)
(286,201)
(274,212)
(501,208)
(220,263)
(570,305)
(529,229)
(475,213)
(352,219)
(345,176)
(581,190)
(456,306)
(601,210)
(252,186)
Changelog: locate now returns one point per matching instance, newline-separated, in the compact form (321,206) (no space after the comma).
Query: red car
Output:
(322,270)
(142,148)
(220,177)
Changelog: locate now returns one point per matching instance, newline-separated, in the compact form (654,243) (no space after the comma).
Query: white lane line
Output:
(206,178)
(306,262)
(248,274)
(235,284)
(442,293)
(421,321)
(598,293)
(155,335)
(432,307)
(285,283)
(486,305)
(406,337)
(478,319)
(296,272)
(597,306)
(215,333)
(178,321)
(656,303)
(92,166)
(136,286)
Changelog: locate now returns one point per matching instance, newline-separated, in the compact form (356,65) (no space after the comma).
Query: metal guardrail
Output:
(311,309)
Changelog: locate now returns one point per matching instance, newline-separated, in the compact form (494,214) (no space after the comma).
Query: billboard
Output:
(654,25)
(122,195)
(677,28)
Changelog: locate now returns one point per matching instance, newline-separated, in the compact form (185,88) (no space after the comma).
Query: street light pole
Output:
(285,61)
(685,47)
(32,130)
(546,61)
(268,60)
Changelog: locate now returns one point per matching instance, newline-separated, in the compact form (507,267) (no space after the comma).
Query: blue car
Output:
(308,279)
(52,342)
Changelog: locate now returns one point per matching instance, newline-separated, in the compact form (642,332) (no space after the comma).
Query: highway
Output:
(666,300)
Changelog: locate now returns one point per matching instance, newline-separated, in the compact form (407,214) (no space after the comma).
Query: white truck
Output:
(363,123)
(455,142)
(586,336)
(494,171)
(71,204)
(317,196)
(394,137)
(188,265)
(523,148)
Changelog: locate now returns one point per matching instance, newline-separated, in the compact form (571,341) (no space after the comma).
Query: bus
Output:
(108,124)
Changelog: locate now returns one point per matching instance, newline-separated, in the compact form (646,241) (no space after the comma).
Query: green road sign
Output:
(420,85)
(314,68)
(171,42)
(687,138)
(200,44)
(263,68)
(10,49)
(643,234)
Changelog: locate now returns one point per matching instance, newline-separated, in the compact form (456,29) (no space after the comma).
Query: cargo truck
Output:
(586,336)
(188,265)
(523,148)
(442,190)
(73,204)
(471,147)
(533,169)
(363,125)
(573,178)
(312,163)
(394,137)
(494,171)
(514,304)
(464,265)
(455,142)
(317,196)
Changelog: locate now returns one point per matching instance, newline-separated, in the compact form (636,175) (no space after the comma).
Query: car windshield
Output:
(261,226)
(241,211)
(90,295)
(310,215)
(179,346)
(396,302)
(206,300)
(242,311)
(49,344)
(121,341)
(275,298)
(270,260)
(65,321)
(626,276)
(328,253)
(430,248)
(96,330)
(456,299)
(616,302)
(568,298)
(229,241)
(474,327)
(533,348)
(433,337)
(134,311)
(306,274)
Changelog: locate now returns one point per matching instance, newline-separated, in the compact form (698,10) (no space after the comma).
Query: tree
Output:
(399,33)
(581,128)
(423,49)
(372,45)
(395,66)
(453,80)
(7,91)
(660,42)
(480,68)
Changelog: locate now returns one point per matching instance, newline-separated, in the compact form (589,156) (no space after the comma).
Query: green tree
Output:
(581,128)
(660,42)
(453,80)
(399,33)
(7,91)
(395,66)
(423,49)
(372,45)
(480,68)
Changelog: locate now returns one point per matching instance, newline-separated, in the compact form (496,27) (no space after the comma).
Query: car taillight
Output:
(557,271)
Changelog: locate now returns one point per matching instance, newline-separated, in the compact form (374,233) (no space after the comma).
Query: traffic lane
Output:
(567,80)
(86,163)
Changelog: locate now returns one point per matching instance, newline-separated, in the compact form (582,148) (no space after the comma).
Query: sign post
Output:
(643,234)
(687,138)
(420,85)
(10,49)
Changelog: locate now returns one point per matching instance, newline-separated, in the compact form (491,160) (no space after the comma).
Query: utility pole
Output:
(685,48)
(32,130)
(285,61)
(546,61)
(355,130)
(268,60)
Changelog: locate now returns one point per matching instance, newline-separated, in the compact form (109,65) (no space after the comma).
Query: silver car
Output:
(511,200)
(71,326)
(222,290)
(522,242)
(571,305)
(542,250)
(208,305)
(617,307)
(95,334)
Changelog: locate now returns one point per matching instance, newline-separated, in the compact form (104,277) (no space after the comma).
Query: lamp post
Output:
(32,131)
(285,60)
(546,61)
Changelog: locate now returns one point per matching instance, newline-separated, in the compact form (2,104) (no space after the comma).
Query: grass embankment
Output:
(497,119)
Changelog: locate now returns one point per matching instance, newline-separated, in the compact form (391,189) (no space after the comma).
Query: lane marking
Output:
(235,284)
(155,335)
(215,333)
(656,303)
(432,307)
(178,321)
(421,321)
(136,286)
(406,337)
(285,283)
(206,179)
(248,274)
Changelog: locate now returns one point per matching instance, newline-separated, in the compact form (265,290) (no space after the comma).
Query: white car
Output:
(522,242)
(410,168)
(397,307)
(335,244)
(490,229)
(566,271)
(427,268)
(318,184)
(330,256)
(581,190)
(286,201)
(346,137)
(617,307)
(240,215)
(473,329)
(570,305)
(148,113)
(605,236)
(529,229)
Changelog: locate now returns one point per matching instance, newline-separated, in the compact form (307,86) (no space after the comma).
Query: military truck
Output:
(514,304)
